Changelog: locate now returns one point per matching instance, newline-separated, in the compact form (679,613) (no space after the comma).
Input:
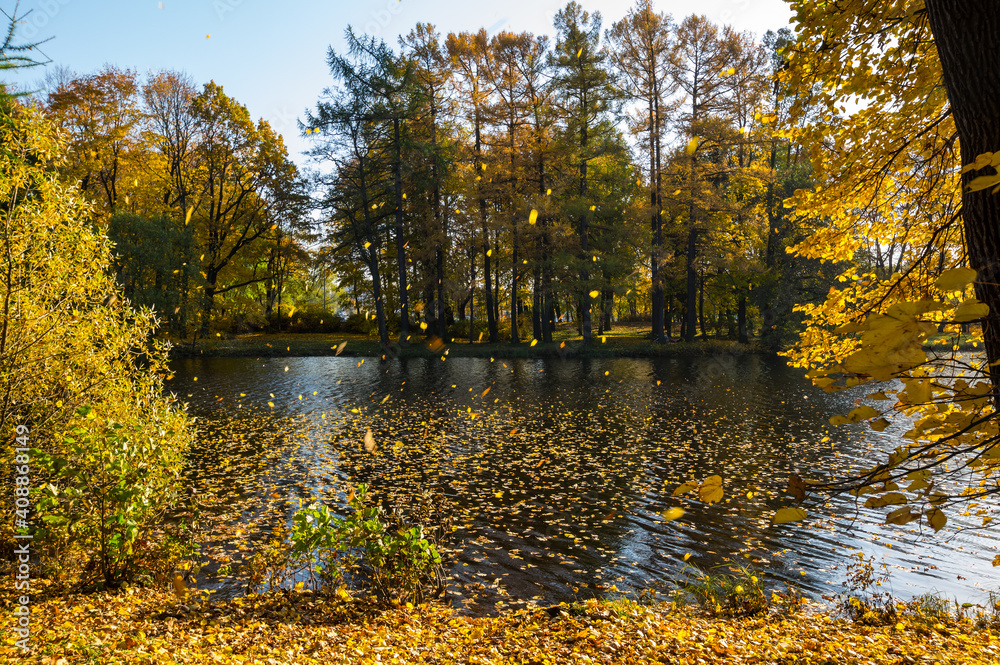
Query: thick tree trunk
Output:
(966,33)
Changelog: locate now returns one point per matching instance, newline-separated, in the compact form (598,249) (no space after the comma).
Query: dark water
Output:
(562,470)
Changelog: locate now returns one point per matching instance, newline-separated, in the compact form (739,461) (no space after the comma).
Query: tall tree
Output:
(359,195)
(640,49)
(585,93)
(246,183)
(699,64)
(470,56)
(422,46)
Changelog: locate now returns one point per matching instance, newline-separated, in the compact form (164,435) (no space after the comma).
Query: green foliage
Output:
(111,485)
(151,263)
(388,553)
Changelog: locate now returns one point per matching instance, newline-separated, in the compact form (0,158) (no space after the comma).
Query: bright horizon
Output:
(274,61)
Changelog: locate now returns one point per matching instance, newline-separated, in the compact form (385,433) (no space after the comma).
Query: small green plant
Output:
(737,593)
(867,599)
(366,548)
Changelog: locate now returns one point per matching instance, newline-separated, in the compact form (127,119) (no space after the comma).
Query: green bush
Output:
(366,548)
(111,486)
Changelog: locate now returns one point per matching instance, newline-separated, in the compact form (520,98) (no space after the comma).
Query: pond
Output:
(561,469)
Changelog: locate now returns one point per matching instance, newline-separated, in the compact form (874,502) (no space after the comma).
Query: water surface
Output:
(562,470)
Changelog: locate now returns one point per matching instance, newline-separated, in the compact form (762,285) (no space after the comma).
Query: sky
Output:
(271,56)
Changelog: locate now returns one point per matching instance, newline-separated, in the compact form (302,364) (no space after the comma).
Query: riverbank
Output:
(150,626)
(622,343)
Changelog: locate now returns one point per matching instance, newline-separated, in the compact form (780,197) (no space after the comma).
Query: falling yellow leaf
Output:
(369,442)
(340,348)
(692,146)
(532,216)
(595,293)
(489,252)
(548,192)
(533,342)
(580,52)
(187,216)
(687,556)
(672,514)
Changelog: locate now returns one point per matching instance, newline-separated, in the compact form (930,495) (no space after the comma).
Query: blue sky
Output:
(271,56)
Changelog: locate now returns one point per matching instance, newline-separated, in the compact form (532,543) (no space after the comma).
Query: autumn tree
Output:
(470,56)
(101,113)
(358,192)
(247,185)
(699,64)
(910,163)
(584,94)
(640,49)
(423,48)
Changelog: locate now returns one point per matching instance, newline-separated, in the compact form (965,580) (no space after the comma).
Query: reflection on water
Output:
(562,469)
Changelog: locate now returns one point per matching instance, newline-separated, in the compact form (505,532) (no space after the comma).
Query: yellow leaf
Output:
(691,147)
(955,279)
(786,515)
(861,413)
(684,488)
(687,556)
(533,342)
(936,518)
(711,490)
(369,442)
(879,425)
(532,216)
(594,294)
(367,245)
(902,516)
(187,215)
(340,348)
(579,53)
(971,310)
(672,514)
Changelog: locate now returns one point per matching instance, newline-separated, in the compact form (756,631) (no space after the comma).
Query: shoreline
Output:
(313,344)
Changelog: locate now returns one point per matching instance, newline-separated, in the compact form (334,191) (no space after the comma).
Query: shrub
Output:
(112,484)
(865,600)
(368,548)
(70,340)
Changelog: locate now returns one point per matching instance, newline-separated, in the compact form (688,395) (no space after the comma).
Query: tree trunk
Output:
(965,33)
(741,322)
(404,302)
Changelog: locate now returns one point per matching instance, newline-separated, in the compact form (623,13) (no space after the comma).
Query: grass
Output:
(626,340)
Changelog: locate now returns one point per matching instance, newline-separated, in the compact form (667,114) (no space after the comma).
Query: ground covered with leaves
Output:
(146,626)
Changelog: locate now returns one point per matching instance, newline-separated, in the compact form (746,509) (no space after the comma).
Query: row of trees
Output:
(513,180)
(639,160)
